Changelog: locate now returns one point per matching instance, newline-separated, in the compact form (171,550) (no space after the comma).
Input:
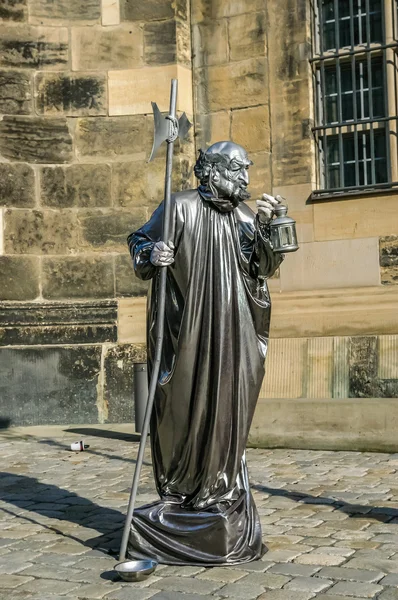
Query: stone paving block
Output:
(268,580)
(258,565)
(385,565)
(131,593)
(335,551)
(47,586)
(13,581)
(282,555)
(389,594)
(295,570)
(356,589)
(9,566)
(308,584)
(286,595)
(391,579)
(179,584)
(222,574)
(241,590)
(178,596)
(96,590)
(348,574)
(319,559)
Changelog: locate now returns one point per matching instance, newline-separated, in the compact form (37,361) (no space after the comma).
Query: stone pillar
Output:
(76,81)
(231,80)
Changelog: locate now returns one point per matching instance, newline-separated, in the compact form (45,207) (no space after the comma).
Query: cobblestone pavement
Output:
(330,521)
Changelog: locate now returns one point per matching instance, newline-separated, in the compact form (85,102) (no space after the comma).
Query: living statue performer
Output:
(217,318)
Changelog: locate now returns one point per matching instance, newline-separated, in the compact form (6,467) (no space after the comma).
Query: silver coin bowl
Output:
(136,570)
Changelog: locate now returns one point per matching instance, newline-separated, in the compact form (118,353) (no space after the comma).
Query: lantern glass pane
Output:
(286,236)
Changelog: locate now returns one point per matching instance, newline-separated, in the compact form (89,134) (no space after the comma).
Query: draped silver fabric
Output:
(216,331)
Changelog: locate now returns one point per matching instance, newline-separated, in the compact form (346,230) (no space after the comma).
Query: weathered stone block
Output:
(131,91)
(71,94)
(111,137)
(356,218)
(17,185)
(184,47)
(388,251)
(40,232)
(211,128)
(388,357)
(247,36)
(260,174)
(119,381)
(15,93)
(58,323)
(151,10)
(362,358)
(78,185)
(321,265)
(13,10)
(48,11)
(236,85)
(33,47)
(108,231)
(137,184)
(389,275)
(78,277)
(19,277)
(110,10)
(286,362)
(132,320)
(251,128)
(210,43)
(127,284)
(290,94)
(207,10)
(35,140)
(160,42)
(50,385)
(100,48)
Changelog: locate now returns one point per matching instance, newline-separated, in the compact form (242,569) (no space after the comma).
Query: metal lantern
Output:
(283,231)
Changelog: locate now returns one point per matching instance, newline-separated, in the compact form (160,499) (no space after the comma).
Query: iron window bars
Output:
(354,68)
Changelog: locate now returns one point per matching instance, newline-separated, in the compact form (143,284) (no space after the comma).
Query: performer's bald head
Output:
(223,170)
(231,150)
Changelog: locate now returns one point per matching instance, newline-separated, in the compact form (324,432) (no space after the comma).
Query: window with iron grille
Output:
(354,67)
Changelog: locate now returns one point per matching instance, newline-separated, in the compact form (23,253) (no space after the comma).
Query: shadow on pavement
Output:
(54,502)
(114,435)
(66,446)
(382,513)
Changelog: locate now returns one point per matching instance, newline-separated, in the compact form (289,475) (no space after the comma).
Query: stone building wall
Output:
(253,84)
(75,132)
(76,82)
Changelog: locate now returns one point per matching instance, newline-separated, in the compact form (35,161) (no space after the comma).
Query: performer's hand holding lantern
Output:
(283,228)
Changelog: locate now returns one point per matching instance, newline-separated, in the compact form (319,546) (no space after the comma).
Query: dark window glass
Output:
(333,176)
(362,96)
(337,22)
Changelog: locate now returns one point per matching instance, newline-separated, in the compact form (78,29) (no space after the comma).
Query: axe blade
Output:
(161,130)
(184,125)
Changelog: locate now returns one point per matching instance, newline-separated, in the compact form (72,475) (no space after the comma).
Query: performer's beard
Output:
(233,190)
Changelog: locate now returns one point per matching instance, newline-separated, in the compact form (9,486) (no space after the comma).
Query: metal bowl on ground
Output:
(136,570)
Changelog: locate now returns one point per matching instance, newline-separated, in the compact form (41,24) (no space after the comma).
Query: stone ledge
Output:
(358,424)
(349,311)
(57,323)
(342,312)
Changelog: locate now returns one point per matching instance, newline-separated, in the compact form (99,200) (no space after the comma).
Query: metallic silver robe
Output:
(216,331)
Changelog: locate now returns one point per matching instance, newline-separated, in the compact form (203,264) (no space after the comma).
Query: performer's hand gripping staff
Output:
(166,129)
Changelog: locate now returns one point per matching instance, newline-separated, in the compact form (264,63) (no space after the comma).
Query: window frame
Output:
(349,57)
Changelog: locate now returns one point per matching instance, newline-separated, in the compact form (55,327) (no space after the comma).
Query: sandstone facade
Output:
(76,82)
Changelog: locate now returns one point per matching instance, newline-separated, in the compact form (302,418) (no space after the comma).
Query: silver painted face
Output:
(232,181)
